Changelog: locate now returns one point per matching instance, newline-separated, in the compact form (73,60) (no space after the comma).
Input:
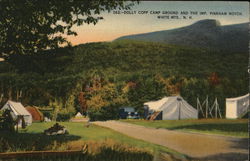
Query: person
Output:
(87,124)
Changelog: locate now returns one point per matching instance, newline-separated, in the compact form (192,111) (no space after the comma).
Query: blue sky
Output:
(116,25)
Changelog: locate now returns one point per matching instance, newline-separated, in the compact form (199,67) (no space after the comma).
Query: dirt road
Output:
(205,147)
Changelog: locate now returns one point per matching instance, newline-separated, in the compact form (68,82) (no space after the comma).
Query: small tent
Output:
(78,114)
(171,108)
(237,107)
(16,110)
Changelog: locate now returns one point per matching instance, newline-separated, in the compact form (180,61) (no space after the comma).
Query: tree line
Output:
(98,78)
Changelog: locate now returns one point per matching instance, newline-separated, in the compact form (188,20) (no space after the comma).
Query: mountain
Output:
(135,71)
(202,34)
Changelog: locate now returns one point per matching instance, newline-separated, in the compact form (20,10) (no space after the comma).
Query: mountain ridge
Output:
(208,33)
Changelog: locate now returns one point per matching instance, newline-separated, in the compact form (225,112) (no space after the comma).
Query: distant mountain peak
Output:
(208,33)
(207,23)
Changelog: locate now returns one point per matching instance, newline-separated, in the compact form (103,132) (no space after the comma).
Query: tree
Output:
(82,102)
(214,79)
(28,26)
(8,122)
(172,84)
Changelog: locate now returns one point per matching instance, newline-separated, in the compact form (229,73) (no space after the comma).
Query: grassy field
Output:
(238,128)
(94,133)
(98,140)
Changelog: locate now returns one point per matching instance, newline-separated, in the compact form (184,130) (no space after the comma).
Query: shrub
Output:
(103,114)
(63,116)
(47,114)
(7,122)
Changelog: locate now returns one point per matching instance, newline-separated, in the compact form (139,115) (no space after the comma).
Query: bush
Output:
(63,116)
(47,114)
(7,122)
(103,114)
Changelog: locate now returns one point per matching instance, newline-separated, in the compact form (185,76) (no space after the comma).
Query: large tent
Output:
(17,110)
(171,108)
(237,107)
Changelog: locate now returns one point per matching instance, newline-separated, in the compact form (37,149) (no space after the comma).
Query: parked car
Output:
(133,115)
(128,113)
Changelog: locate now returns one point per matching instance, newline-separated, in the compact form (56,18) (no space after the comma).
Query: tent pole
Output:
(179,107)
(197,106)
(179,110)
(206,106)
(200,106)
(211,109)
(216,108)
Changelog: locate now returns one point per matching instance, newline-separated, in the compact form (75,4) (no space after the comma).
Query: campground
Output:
(101,135)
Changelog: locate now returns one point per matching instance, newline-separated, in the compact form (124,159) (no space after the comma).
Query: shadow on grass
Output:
(225,157)
(240,143)
(13,142)
(105,154)
(232,127)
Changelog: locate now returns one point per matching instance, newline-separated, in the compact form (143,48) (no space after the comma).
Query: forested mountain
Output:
(121,73)
(203,34)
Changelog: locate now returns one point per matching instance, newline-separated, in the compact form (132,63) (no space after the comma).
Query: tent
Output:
(35,113)
(237,107)
(78,114)
(171,108)
(17,109)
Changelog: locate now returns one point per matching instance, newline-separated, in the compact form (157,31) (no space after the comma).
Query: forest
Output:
(98,78)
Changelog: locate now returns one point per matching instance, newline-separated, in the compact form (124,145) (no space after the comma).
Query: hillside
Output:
(203,34)
(136,56)
(121,73)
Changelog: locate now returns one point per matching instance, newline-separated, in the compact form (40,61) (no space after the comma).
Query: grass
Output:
(236,128)
(33,139)
(94,133)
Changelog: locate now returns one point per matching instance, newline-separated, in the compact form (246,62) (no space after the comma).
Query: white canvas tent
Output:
(17,109)
(172,108)
(236,107)
(78,114)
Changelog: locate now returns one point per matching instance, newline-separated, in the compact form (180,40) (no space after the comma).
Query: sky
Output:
(138,21)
